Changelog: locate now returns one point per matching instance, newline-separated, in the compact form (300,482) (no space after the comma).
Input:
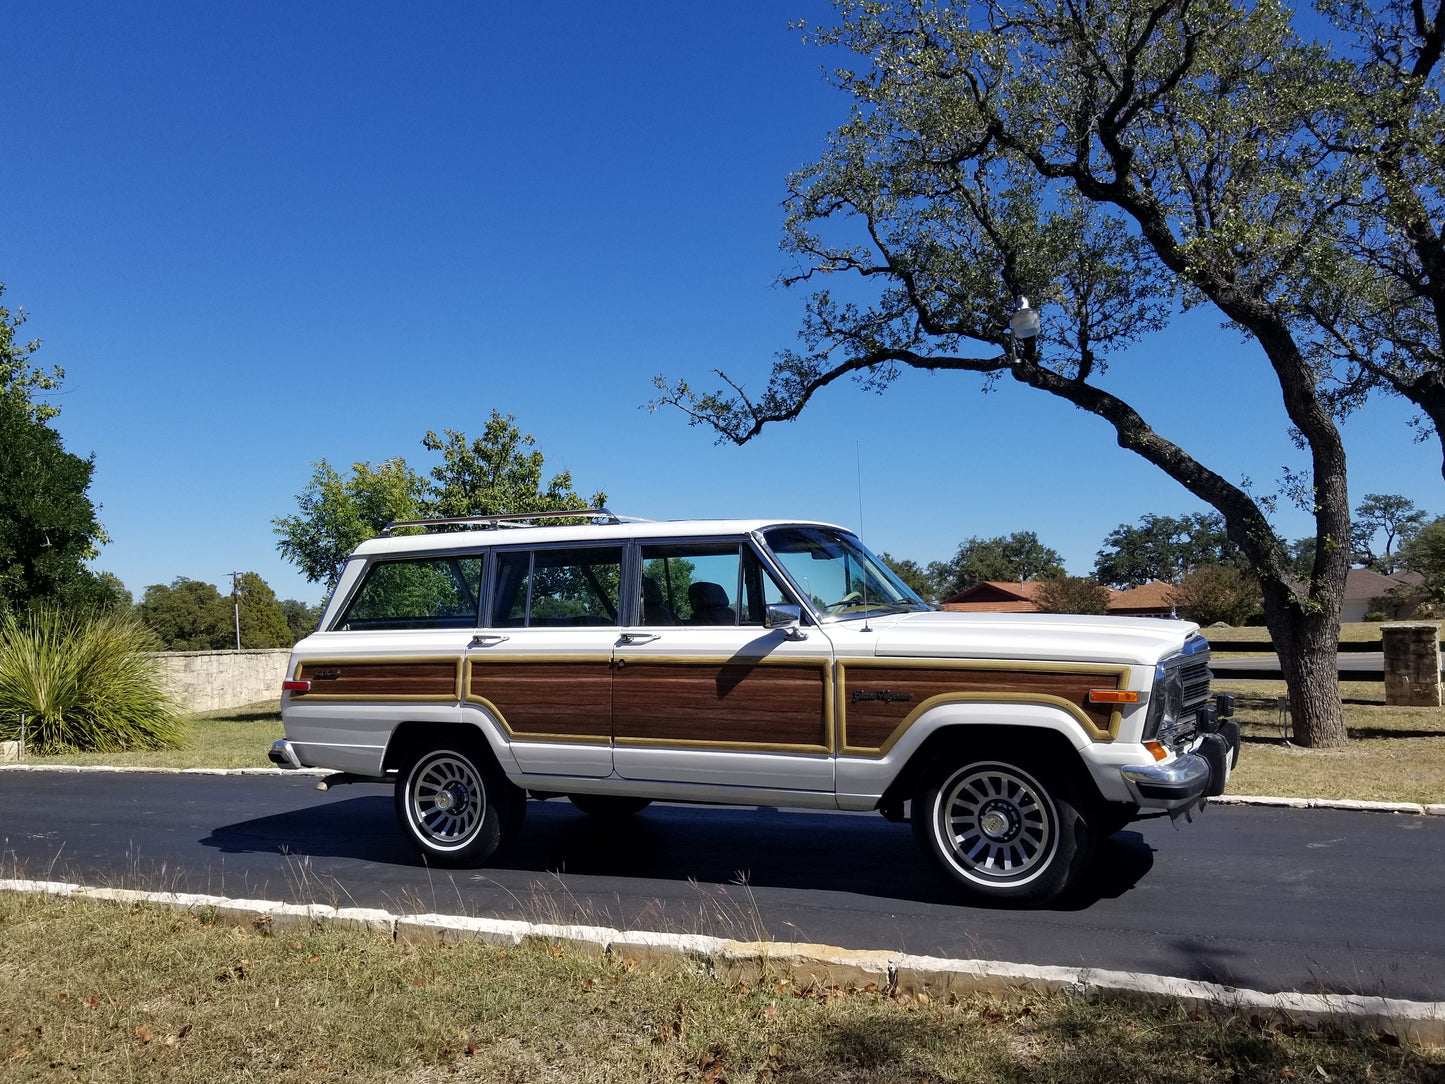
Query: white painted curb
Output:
(892,973)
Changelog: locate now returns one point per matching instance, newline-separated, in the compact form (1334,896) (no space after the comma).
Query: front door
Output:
(703,693)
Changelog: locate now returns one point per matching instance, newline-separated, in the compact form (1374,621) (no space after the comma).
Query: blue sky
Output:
(256,235)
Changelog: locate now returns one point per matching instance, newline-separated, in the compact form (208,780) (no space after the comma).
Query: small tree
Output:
(496,474)
(1012,558)
(913,574)
(263,622)
(1074,595)
(1218,593)
(1389,515)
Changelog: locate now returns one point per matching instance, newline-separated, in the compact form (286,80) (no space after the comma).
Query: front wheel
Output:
(1002,832)
(456,806)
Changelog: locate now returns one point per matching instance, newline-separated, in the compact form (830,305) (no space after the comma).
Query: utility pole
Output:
(236,605)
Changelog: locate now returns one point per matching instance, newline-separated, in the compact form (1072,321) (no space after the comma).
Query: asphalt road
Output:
(1271,899)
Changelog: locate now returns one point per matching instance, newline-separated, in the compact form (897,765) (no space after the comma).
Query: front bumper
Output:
(1188,780)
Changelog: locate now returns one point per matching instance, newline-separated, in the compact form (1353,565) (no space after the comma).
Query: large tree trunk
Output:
(1307,640)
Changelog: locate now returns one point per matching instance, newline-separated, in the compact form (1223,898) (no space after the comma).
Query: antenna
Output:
(858,452)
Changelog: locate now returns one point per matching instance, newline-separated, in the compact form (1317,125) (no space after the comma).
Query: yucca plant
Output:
(86,682)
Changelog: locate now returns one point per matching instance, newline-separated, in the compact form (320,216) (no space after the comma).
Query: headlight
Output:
(1166,704)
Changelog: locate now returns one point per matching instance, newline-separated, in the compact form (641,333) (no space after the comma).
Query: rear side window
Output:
(557,587)
(417,593)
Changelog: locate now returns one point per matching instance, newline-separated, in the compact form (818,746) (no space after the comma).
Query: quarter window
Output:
(421,593)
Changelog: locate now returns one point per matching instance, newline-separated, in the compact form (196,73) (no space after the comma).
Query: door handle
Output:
(481,639)
(639,637)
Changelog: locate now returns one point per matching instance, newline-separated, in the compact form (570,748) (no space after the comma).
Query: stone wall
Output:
(214,680)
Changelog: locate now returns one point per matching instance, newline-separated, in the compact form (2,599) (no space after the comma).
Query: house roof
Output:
(1155,597)
(1367,584)
(997,596)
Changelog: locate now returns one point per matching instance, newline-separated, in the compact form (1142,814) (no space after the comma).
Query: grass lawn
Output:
(98,992)
(236,738)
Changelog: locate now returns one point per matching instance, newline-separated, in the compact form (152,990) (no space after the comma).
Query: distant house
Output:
(1023,596)
(1362,587)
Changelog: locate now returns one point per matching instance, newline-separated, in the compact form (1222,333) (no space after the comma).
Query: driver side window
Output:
(710,583)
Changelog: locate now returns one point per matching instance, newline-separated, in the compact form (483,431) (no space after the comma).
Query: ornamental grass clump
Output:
(85,681)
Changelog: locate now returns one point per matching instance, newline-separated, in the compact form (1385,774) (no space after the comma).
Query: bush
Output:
(1074,595)
(1213,593)
(86,683)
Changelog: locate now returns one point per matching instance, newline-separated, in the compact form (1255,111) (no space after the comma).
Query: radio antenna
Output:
(858,453)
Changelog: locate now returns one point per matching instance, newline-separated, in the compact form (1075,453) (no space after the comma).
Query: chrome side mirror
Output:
(785,616)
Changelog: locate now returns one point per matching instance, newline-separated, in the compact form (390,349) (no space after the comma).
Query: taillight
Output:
(296,686)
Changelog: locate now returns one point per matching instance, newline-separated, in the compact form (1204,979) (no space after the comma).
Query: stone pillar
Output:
(1412,665)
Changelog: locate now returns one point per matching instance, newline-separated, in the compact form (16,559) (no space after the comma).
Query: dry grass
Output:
(96,992)
(1395,754)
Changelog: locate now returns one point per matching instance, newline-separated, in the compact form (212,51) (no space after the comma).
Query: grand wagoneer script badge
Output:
(885,695)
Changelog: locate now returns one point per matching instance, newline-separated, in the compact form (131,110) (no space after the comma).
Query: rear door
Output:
(542,665)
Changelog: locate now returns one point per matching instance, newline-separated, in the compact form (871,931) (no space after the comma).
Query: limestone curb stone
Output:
(893,973)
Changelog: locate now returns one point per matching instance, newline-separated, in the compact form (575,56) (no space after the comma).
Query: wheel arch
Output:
(413,736)
(1036,743)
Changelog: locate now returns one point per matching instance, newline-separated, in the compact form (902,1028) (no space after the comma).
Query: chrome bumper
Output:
(1188,780)
(283,755)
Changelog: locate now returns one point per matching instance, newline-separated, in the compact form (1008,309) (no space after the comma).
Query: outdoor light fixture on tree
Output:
(1024,323)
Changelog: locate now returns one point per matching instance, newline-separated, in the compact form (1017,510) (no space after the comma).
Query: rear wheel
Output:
(456,805)
(609,806)
(1003,831)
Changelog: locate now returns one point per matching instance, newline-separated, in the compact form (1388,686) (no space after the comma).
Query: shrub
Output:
(86,683)
(1074,595)
(1213,593)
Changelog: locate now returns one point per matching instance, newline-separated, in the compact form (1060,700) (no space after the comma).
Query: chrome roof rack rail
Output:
(514,519)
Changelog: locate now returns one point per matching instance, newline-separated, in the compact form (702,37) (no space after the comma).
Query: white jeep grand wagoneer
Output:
(755,662)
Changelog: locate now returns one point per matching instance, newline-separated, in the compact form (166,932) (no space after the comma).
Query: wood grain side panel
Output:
(876,699)
(564,698)
(421,679)
(750,705)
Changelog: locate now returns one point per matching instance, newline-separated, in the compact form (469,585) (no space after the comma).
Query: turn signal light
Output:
(1156,750)
(1113,696)
(296,686)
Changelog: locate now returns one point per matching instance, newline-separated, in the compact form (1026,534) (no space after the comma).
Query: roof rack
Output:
(514,519)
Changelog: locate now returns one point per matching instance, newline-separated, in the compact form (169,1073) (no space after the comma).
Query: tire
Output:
(608,806)
(1003,832)
(456,806)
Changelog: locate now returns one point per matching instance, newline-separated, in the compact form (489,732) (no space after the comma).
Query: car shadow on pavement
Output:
(725,845)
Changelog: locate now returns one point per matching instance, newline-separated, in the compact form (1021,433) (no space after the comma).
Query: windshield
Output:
(837,574)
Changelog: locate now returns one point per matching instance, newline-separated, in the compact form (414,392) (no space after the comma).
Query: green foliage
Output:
(48,525)
(1019,556)
(1074,595)
(1425,553)
(85,681)
(1388,514)
(338,512)
(301,619)
(263,621)
(188,615)
(913,574)
(19,379)
(1213,593)
(1162,548)
(495,474)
